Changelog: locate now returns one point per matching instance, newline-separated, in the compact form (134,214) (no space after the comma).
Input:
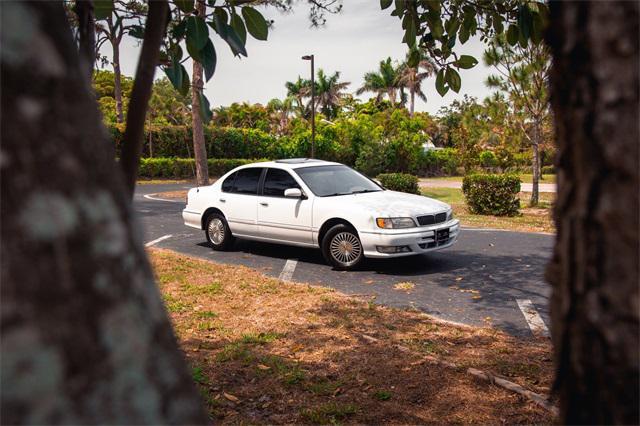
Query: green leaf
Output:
(136,31)
(466,62)
(234,42)
(174,74)
(414,58)
(239,28)
(410,33)
(179,30)
(197,32)
(205,107)
(102,9)
(524,21)
(209,60)
(384,4)
(464,34)
(512,34)
(184,88)
(498,26)
(437,29)
(256,24)
(440,83)
(453,78)
(537,29)
(184,5)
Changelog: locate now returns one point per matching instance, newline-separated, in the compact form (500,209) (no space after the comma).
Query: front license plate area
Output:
(442,235)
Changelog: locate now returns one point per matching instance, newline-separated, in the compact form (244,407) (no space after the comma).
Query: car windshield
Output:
(327,181)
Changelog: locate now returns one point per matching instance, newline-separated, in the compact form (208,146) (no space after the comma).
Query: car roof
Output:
(293,163)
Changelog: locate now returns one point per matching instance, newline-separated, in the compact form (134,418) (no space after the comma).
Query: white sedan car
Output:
(314,203)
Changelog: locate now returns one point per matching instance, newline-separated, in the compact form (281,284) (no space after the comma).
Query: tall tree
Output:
(523,74)
(298,89)
(125,17)
(411,77)
(85,337)
(594,93)
(594,272)
(329,91)
(383,82)
(199,104)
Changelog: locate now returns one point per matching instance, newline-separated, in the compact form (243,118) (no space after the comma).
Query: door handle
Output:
(262,203)
(222,200)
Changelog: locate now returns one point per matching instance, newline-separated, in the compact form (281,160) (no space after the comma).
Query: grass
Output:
(530,220)
(268,352)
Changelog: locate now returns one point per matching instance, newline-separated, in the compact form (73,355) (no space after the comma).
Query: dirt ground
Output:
(265,351)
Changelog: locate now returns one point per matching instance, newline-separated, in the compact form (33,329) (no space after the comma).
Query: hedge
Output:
(184,168)
(492,194)
(400,182)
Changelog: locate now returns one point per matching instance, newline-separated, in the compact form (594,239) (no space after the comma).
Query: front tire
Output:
(218,232)
(342,248)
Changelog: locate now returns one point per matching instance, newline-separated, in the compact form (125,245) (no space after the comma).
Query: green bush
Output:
(439,162)
(492,194)
(488,159)
(548,170)
(184,168)
(400,182)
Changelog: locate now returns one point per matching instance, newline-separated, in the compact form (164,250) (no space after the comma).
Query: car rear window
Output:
(277,181)
(246,181)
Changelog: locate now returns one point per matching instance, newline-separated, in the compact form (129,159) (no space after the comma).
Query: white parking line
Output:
(287,271)
(533,318)
(157,240)
(151,197)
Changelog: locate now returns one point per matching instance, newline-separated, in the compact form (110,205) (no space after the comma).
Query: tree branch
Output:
(141,92)
(86,35)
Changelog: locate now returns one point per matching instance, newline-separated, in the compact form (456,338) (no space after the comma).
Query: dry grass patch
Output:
(265,351)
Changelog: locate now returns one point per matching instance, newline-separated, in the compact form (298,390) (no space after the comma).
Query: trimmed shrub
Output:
(400,182)
(184,168)
(492,194)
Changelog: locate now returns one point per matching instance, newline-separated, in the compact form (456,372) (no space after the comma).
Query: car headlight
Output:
(449,215)
(395,222)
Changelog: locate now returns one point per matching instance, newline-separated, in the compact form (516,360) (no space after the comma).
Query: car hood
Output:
(391,203)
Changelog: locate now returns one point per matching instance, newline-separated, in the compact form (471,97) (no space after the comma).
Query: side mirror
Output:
(293,193)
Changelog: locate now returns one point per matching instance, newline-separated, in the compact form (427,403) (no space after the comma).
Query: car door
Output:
(239,200)
(279,217)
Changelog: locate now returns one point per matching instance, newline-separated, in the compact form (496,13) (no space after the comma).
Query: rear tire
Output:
(342,248)
(218,232)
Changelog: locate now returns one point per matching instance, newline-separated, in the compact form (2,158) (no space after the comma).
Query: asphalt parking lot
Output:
(488,277)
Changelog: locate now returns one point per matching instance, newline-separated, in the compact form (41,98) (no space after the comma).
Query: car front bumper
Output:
(418,240)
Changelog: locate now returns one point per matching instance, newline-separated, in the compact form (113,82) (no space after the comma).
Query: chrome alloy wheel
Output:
(216,231)
(345,248)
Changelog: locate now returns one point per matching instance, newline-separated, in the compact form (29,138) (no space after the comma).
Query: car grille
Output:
(432,219)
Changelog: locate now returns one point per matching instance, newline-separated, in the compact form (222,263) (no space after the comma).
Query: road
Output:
(488,277)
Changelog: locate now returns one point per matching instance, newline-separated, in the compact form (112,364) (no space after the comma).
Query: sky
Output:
(352,42)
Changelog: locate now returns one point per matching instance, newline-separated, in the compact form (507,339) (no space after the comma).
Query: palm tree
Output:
(329,92)
(382,82)
(411,78)
(280,110)
(298,90)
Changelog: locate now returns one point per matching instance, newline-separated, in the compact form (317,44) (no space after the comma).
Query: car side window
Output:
(247,180)
(227,185)
(277,181)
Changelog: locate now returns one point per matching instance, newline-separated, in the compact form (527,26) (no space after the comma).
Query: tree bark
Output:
(141,92)
(85,337)
(87,35)
(199,149)
(535,145)
(594,272)
(117,79)
(412,94)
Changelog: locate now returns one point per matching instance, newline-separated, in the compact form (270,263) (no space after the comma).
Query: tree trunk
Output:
(535,145)
(412,98)
(85,337)
(199,148)
(594,272)
(117,79)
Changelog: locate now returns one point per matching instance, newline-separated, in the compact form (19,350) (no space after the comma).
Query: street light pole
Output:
(313,105)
